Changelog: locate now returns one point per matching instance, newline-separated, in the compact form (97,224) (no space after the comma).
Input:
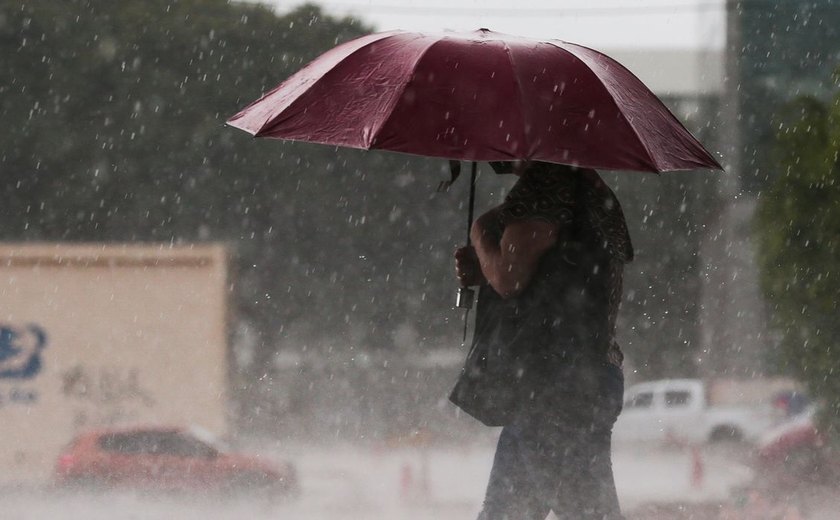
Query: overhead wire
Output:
(521,11)
(530,12)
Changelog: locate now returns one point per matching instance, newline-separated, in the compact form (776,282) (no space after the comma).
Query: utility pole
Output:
(731,103)
(733,326)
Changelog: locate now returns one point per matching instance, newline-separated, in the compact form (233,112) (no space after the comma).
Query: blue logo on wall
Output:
(20,351)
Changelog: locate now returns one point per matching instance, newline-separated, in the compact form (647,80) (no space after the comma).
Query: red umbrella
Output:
(480,96)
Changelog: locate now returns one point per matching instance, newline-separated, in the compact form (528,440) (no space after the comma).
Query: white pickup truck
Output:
(679,410)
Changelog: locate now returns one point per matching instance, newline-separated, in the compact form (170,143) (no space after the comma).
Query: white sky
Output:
(676,24)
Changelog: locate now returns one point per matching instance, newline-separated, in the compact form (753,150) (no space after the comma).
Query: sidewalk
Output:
(432,483)
(818,503)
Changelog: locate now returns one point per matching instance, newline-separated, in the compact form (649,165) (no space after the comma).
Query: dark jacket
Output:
(564,321)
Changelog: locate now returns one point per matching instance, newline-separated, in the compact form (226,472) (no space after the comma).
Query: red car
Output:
(796,452)
(167,459)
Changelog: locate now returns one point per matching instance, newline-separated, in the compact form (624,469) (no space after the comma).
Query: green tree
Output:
(798,225)
(788,48)
(115,132)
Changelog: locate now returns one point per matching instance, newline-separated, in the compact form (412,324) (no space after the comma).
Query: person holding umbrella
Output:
(549,263)
(543,361)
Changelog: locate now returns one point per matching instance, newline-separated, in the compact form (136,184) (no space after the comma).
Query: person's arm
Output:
(508,263)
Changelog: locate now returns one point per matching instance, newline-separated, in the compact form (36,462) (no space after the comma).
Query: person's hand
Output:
(467,267)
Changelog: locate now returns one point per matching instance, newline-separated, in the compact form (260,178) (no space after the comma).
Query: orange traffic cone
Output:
(406,482)
(697,469)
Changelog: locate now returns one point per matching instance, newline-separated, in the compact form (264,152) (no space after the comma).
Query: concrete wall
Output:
(94,335)
(675,73)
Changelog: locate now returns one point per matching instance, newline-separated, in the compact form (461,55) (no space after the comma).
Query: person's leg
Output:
(510,494)
(593,489)
(587,492)
(568,453)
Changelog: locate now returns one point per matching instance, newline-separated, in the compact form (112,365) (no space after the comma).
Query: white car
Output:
(677,410)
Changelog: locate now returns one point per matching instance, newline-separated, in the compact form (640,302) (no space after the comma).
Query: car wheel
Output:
(85,484)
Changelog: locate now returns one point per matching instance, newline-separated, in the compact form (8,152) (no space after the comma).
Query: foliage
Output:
(798,224)
(118,113)
(786,49)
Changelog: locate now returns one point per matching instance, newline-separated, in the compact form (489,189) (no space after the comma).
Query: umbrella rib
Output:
(527,145)
(638,136)
(375,133)
(696,146)
(265,125)
(655,99)
(651,159)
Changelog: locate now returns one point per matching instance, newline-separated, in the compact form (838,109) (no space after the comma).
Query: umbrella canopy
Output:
(479,96)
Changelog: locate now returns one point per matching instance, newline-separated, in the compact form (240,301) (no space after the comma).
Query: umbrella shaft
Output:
(465,294)
(473,173)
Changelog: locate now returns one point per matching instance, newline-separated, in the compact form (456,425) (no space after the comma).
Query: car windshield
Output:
(640,400)
(677,398)
(156,443)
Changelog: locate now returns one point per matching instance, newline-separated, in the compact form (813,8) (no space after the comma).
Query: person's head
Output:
(502,167)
